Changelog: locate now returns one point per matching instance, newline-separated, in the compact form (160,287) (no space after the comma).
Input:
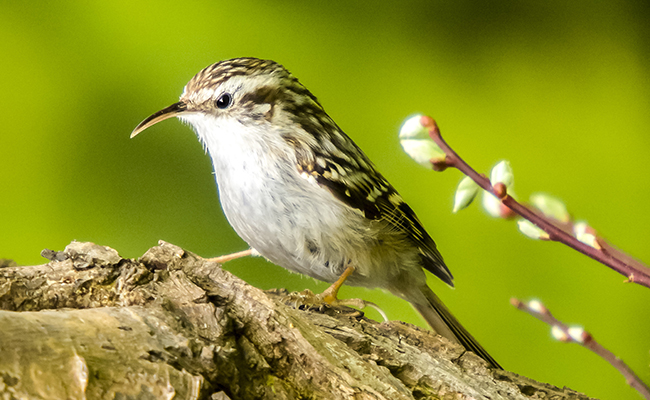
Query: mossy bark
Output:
(92,325)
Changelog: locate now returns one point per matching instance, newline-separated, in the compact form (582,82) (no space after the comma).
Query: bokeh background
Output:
(560,89)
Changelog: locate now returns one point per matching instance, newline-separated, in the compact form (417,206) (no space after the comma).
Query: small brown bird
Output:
(302,194)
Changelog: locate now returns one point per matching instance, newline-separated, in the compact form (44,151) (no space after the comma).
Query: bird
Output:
(303,195)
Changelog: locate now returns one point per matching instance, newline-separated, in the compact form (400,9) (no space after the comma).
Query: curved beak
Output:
(169,112)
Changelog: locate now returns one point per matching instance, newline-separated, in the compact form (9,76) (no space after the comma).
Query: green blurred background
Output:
(559,88)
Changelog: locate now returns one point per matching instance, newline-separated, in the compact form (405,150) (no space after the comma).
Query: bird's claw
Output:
(308,300)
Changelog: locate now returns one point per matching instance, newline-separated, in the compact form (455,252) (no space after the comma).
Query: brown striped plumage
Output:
(301,192)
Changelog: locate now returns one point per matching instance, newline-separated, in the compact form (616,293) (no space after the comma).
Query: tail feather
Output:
(445,324)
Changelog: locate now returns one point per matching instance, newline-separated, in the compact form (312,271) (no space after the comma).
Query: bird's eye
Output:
(224,101)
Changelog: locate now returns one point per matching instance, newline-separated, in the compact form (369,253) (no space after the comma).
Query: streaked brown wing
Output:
(368,191)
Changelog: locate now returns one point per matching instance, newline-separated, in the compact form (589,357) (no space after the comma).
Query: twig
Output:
(625,265)
(564,333)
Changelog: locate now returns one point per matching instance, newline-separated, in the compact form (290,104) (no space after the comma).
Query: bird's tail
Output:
(445,324)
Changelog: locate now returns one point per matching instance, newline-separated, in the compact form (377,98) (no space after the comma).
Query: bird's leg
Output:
(308,299)
(232,256)
(329,295)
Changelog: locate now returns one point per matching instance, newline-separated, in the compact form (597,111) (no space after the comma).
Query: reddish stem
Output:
(625,265)
(588,341)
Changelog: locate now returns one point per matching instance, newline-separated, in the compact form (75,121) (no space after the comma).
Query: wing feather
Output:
(325,152)
(365,189)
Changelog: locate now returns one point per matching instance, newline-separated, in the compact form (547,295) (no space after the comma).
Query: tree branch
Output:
(625,265)
(564,333)
(92,324)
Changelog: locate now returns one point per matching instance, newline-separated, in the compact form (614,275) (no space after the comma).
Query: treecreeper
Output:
(302,194)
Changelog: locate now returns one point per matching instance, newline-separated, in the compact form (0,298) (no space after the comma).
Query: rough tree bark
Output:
(90,324)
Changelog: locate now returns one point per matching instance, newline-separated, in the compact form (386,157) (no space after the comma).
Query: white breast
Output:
(286,217)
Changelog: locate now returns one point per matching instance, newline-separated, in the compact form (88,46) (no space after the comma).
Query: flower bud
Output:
(416,142)
(531,230)
(578,334)
(495,208)
(502,172)
(550,206)
(586,234)
(465,193)
(537,306)
(559,334)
